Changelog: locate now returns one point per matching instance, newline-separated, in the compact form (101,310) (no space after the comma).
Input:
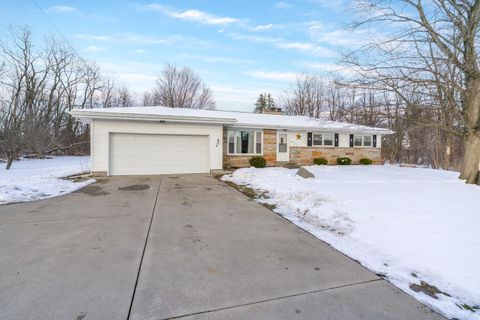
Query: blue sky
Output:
(239,48)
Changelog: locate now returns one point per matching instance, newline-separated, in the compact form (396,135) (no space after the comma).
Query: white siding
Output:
(344,140)
(294,142)
(101,129)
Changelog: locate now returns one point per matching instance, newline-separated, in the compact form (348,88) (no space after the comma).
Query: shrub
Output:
(320,161)
(365,161)
(344,161)
(258,162)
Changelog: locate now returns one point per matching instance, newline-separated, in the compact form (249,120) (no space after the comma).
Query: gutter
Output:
(87,116)
(314,129)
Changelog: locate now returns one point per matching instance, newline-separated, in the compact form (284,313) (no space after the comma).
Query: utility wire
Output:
(59,32)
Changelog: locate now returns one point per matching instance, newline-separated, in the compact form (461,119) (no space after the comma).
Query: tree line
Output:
(418,137)
(420,77)
(39,85)
(37,89)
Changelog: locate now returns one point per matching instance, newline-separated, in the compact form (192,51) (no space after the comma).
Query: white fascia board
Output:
(380,131)
(86,116)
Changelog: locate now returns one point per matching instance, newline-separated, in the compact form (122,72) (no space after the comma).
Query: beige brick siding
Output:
(305,155)
(298,155)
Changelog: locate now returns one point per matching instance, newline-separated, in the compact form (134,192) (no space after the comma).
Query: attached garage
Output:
(150,146)
(140,154)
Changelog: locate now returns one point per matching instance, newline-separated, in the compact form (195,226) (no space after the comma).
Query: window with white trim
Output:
(323,139)
(362,141)
(244,141)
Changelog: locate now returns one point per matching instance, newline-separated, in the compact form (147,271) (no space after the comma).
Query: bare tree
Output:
(38,87)
(431,51)
(307,97)
(115,96)
(15,83)
(180,88)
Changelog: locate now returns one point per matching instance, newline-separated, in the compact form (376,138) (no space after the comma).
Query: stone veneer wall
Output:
(298,155)
(239,161)
(305,155)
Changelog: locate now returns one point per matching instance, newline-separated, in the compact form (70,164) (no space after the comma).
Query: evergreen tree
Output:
(269,102)
(261,103)
(264,102)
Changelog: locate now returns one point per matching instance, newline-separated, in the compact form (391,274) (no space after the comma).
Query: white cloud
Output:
(190,15)
(330,68)
(139,51)
(263,27)
(241,98)
(331,4)
(132,38)
(282,5)
(94,48)
(95,37)
(306,47)
(272,75)
(342,37)
(63,9)
(214,59)
(309,47)
(138,76)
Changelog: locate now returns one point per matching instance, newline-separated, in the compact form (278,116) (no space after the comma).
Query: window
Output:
(323,139)
(317,139)
(282,143)
(367,141)
(358,141)
(244,142)
(328,139)
(258,141)
(231,143)
(362,141)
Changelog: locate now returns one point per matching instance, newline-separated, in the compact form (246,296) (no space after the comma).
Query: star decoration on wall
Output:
(299,136)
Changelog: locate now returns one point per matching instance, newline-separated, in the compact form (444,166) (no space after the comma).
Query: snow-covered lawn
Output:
(409,224)
(33,179)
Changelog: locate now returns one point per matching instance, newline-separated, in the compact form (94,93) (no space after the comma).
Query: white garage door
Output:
(132,154)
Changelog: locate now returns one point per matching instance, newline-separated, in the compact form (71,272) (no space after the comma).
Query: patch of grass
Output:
(428,289)
(252,193)
(249,192)
(473,309)
(78,177)
(269,206)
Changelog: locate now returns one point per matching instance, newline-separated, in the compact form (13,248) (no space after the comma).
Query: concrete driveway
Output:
(183,246)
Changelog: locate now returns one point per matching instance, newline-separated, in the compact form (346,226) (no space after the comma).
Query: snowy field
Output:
(411,225)
(33,179)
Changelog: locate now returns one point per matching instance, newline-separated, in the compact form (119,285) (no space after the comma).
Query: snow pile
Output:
(33,179)
(409,224)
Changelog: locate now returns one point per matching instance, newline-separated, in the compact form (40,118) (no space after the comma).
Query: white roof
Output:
(231,118)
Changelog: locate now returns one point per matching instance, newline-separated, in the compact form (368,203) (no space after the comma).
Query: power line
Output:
(59,32)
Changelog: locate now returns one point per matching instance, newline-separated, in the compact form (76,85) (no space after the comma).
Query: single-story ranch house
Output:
(160,140)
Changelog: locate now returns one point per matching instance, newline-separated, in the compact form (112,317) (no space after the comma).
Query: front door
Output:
(282,147)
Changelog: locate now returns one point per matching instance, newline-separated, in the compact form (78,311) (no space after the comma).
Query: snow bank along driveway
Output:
(33,179)
(420,228)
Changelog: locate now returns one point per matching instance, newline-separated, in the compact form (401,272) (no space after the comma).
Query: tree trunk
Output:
(9,162)
(471,140)
(471,158)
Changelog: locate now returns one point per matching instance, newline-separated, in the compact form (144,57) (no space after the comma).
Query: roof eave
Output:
(297,128)
(86,116)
